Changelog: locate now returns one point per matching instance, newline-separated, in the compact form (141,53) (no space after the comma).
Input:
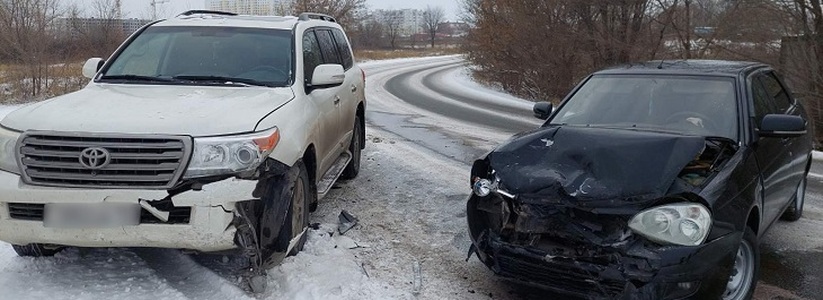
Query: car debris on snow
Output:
(347,222)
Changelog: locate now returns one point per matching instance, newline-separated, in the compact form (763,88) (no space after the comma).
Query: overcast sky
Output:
(142,8)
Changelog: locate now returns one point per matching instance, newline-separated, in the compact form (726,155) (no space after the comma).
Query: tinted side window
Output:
(312,56)
(781,98)
(343,46)
(762,102)
(330,55)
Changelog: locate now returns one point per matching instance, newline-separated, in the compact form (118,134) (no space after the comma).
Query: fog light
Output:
(482,187)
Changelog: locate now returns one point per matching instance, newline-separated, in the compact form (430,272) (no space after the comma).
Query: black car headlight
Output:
(685,224)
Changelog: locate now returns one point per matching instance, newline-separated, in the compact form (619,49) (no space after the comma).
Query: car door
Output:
(352,89)
(796,155)
(324,100)
(772,154)
(332,56)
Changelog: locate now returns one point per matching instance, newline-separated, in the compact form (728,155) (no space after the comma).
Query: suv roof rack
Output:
(206,12)
(316,16)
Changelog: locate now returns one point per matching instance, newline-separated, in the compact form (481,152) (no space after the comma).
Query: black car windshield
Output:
(693,105)
(205,55)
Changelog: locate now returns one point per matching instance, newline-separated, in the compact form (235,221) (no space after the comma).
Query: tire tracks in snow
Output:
(188,277)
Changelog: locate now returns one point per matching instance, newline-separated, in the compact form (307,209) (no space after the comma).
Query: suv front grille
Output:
(129,161)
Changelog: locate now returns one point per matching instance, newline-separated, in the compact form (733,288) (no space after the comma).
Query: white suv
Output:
(209,132)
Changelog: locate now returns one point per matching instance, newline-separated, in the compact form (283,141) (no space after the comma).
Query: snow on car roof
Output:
(692,66)
(273,22)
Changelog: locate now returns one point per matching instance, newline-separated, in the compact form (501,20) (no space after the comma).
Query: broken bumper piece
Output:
(649,272)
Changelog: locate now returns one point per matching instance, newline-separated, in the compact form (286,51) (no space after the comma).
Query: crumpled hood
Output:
(593,163)
(152,109)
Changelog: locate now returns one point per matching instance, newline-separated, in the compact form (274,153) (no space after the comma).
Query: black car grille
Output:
(151,162)
(35,212)
(578,278)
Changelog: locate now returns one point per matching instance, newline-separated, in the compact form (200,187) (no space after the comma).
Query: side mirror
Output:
(92,66)
(776,125)
(328,75)
(542,110)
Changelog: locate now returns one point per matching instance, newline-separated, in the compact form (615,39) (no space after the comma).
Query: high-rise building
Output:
(408,21)
(251,7)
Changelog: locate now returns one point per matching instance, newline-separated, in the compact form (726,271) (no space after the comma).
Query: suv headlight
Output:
(227,155)
(8,147)
(685,224)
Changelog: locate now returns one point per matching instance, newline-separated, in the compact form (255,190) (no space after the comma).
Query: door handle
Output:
(353,88)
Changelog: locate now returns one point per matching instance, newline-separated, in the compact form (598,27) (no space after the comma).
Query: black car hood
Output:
(593,163)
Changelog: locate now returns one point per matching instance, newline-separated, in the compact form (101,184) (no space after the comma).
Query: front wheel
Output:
(746,269)
(355,147)
(285,216)
(795,211)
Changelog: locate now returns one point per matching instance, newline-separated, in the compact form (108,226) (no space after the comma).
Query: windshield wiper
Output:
(139,78)
(221,80)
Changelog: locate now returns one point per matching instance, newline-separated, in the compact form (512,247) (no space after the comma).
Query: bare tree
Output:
(345,11)
(390,21)
(432,17)
(25,36)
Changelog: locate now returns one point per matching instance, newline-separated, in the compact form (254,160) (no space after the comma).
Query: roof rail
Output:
(206,12)
(309,16)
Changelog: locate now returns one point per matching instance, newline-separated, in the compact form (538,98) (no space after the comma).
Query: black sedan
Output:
(649,181)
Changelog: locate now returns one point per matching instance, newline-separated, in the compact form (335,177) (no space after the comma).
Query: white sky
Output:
(142,8)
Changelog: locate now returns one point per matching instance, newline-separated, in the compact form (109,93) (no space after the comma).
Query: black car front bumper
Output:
(636,269)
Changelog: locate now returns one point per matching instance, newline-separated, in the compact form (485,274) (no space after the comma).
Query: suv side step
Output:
(328,179)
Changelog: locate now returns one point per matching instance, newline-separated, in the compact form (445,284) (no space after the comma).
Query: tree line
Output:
(541,49)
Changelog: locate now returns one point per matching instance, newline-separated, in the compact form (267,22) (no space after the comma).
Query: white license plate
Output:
(95,215)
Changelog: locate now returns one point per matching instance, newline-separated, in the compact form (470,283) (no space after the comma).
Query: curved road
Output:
(427,102)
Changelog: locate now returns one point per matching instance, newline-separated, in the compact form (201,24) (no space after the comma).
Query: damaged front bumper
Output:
(201,220)
(633,268)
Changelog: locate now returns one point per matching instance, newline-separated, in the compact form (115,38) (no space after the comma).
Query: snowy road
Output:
(427,122)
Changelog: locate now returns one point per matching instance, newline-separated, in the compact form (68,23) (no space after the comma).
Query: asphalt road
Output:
(418,101)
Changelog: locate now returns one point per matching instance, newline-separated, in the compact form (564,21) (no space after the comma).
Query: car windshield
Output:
(206,55)
(694,105)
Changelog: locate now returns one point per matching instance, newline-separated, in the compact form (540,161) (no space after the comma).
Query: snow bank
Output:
(326,269)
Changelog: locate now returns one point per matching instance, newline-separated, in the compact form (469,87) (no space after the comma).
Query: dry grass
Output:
(365,55)
(15,85)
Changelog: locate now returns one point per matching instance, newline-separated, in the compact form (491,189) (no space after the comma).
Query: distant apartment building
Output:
(409,21)
(251,7)
(76,25)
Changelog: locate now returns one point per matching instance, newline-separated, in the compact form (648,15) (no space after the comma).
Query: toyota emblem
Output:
(95,158)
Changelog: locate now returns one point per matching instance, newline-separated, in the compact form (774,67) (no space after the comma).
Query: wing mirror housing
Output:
(542,110)
(783,126)
(327,75)
(92,66)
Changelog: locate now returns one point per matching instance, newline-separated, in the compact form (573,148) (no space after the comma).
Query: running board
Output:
(328,180)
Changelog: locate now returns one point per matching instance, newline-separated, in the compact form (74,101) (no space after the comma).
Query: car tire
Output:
(795,210)
(35,250)
(746,269)
(297,219)
(355,147)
